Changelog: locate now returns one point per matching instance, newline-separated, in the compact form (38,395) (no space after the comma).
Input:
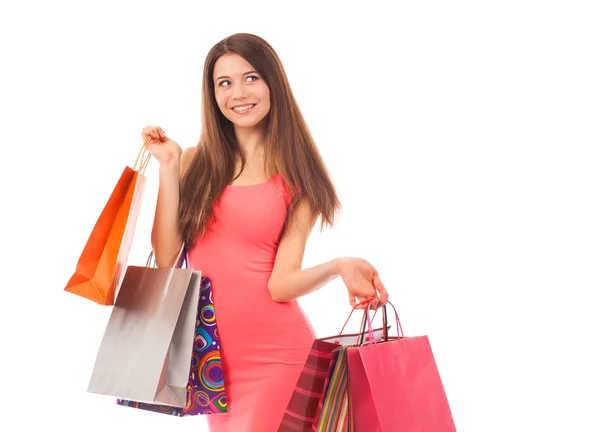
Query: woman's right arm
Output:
(166,235)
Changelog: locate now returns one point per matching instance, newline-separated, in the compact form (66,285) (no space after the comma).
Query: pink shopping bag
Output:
(396,386)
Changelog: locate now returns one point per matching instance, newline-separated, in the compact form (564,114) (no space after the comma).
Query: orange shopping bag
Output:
(102,263)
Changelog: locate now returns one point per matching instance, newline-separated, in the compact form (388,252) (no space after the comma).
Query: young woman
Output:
(243,202)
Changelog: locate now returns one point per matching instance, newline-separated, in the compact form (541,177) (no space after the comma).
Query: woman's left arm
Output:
(289,281)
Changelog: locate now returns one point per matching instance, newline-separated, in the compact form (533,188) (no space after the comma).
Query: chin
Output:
(248,123)
(245,124)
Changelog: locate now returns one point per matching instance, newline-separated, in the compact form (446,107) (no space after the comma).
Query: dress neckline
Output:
(269,180)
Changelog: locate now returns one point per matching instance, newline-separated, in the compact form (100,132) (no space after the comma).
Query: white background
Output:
(463,139)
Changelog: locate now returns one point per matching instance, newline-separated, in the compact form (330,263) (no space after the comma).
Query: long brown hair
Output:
(289,148)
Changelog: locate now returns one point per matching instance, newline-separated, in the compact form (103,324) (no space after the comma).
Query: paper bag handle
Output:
(178,261)
(369,321)
(363,323)
(143,158)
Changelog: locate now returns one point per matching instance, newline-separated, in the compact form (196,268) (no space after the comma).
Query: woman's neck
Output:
(251,141)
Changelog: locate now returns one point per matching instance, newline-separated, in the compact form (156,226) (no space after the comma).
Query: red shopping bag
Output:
(102,263)
(396,386)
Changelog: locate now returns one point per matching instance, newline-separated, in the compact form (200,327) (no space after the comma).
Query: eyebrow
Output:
(245,73)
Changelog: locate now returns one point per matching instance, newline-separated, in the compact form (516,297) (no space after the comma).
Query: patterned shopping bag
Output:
(206,389)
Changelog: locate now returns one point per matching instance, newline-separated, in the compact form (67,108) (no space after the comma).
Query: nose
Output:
(239,91)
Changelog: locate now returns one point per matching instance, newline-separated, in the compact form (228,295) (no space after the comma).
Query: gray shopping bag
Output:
(146,349)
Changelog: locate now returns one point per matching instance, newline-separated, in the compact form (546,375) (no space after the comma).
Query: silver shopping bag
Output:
(146,349)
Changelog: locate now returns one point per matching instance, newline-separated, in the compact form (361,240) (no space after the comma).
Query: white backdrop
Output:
(463,137)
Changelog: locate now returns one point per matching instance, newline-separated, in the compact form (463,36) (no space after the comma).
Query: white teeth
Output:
(243,108)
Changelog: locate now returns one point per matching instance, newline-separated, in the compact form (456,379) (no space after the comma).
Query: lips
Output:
(241,109)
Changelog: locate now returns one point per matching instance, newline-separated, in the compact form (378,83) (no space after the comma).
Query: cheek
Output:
(221,101)
(266,96)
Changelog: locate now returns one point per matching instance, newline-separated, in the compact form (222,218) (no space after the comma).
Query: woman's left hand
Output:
(363,283)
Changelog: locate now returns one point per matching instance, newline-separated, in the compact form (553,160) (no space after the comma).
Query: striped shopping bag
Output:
(336,410)
(310,388)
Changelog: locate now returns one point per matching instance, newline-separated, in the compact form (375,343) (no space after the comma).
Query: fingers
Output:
(375,304)
(154,132)
(381,291)
(363,296)
(364,302)
(358,302)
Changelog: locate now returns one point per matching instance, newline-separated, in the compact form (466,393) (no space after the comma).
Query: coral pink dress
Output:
(264,344)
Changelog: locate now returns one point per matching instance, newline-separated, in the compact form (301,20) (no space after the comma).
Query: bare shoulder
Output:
(186,158)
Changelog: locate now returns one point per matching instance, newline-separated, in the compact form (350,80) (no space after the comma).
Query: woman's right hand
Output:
(363,283)
(163,148)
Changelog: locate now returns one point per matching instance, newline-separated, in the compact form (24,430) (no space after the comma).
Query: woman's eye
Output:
(252,78)
(224,83)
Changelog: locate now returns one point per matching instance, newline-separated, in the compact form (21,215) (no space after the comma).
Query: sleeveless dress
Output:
(264,344)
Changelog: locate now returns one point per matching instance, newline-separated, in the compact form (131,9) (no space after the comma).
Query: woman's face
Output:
(241,94)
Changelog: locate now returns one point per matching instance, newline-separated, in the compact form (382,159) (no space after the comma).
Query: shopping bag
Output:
(205,386)
(336,413)
(396,386)
(305,403)
(102,263)
(145,351)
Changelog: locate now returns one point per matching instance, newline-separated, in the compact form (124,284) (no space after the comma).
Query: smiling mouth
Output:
(243,108)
